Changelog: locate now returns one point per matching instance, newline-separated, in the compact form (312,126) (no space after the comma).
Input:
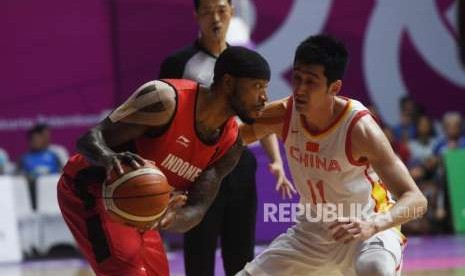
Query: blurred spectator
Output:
(39,159)
(59,150)
(423,163)
(452,124)
(421,147)
(409,111)
(4,161)
(423,168)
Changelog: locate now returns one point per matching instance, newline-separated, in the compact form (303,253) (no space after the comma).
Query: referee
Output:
(232,215)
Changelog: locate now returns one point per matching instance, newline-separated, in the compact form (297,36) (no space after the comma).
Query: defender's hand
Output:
(282,183)
(349,229)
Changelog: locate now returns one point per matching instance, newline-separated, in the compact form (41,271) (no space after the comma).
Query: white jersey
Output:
(323,168)
(325,174)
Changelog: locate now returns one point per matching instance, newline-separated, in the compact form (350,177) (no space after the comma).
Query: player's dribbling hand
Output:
(113,161)
(349,229)
(282,183)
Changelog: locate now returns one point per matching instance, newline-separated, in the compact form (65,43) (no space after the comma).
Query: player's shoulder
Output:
(153,104)
(154,95)
(365,127)
(155,87)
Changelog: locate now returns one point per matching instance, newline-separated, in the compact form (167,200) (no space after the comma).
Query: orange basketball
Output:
(137,197)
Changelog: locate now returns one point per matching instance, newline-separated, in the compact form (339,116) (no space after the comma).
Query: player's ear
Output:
(335,87)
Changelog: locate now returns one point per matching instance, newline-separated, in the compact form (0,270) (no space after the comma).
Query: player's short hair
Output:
(241,62)
(197,4)
(324,50)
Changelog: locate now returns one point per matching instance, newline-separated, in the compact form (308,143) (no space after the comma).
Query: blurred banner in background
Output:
(67,63)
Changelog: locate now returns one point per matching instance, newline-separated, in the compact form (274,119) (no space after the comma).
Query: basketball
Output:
(137,197)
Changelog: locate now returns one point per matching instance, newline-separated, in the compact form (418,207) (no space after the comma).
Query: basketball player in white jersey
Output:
(342,163)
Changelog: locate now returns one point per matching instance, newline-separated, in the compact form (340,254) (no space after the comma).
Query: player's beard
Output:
(239,107)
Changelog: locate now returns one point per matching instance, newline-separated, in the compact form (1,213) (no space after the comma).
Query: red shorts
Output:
(112,249)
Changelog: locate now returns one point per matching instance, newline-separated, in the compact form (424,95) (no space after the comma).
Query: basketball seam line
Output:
(129,197)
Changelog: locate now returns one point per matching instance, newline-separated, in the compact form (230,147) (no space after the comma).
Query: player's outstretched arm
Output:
(267,129)
(149,108)
(204,191)
(283,185)
(271,122)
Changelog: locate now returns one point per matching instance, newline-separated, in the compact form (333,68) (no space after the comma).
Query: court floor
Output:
(430,256)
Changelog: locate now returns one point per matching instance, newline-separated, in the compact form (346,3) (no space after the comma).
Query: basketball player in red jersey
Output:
(191,134)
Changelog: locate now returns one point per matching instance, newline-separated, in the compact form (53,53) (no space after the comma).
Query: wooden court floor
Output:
(424,256)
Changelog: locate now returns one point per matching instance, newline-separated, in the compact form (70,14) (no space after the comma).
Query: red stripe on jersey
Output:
(349,155)
(331,126)
(372,187)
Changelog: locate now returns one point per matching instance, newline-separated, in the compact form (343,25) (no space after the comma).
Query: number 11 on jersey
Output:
(317,188)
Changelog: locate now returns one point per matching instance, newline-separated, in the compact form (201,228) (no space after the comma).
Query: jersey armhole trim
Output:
(287,118)
(348,147)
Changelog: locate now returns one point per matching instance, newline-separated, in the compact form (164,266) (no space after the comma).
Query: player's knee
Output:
(375,267)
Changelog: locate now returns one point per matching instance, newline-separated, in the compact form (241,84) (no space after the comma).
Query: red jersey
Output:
(178,152)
